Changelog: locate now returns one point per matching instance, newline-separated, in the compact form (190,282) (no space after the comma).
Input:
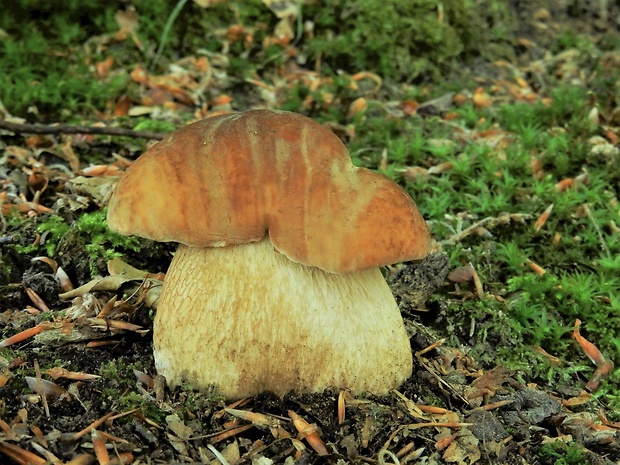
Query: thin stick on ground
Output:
(490,221)
(22,128)
(586,209)
(88,429)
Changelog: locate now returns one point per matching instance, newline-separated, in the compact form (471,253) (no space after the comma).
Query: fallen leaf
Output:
(542,219)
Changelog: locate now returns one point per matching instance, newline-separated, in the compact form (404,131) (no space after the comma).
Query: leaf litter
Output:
(451,411)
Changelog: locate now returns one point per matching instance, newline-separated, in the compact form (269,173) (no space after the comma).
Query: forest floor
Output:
(512,160)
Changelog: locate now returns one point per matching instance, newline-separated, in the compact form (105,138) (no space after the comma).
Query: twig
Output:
(490,221)
(20,455)
(41,389)
(3,110)
(66,129)
(23,335)
(75,436)
(164,36)
(586,208)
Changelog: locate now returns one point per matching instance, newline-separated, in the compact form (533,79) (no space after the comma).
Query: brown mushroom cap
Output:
(234,178)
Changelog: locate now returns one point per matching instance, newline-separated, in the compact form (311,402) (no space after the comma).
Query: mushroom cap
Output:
(232,179)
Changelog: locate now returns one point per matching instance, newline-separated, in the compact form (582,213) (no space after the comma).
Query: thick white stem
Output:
(246,319)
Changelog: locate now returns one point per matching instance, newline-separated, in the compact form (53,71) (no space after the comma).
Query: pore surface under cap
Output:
(232,179)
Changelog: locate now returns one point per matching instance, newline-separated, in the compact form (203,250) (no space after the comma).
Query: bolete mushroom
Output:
(275,285)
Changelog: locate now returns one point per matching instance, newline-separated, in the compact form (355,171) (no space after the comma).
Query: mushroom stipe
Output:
(276,283)
(269,324)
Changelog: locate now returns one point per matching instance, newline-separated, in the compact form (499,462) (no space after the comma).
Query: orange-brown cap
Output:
(232,179)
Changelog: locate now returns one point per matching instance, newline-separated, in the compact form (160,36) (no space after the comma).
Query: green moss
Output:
(56,81)
(576,246)
(135,400)
(406,40)
(88,237)
(45,62)
(51,229)
(563,453)
(119,390)
(101,241)
(109,370)
(154,125)
(92,233)
(51,47)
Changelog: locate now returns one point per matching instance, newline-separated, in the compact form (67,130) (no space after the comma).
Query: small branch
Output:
(66,129)
(490,222)
(586,208)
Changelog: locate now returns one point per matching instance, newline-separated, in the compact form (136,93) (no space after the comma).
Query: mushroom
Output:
(275,285)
